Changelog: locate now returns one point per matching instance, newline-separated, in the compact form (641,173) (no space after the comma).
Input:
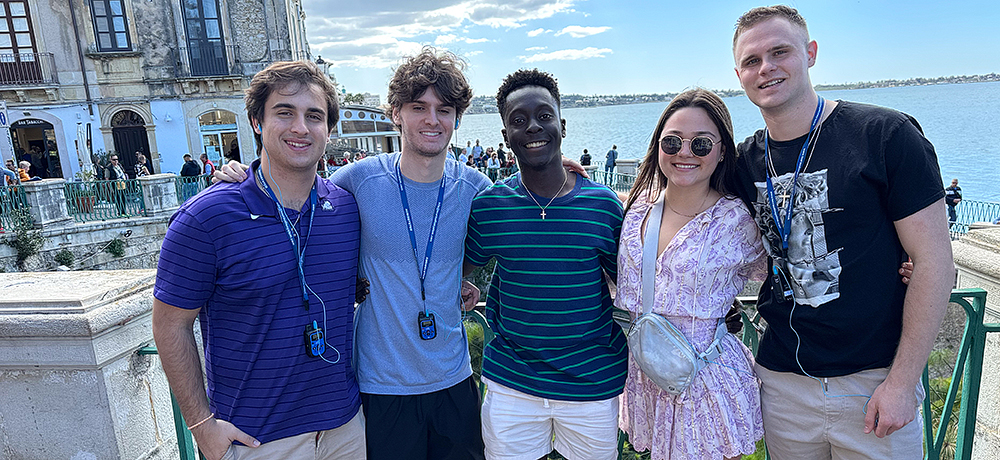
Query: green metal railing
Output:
(104,199)
(965,378)
(185,442)
(14,208)
(972,211)
(189,186)
(617,181)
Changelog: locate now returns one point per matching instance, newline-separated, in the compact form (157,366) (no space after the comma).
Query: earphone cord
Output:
(822,383)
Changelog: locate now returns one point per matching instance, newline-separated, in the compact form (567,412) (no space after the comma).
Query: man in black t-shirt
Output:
(842,193)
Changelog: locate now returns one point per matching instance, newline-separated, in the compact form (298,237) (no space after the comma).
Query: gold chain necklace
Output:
(532,196)
(703,200)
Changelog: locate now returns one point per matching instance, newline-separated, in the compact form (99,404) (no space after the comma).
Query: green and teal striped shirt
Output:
(548,301)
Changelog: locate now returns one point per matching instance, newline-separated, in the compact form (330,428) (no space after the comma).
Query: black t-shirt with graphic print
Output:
(870,166)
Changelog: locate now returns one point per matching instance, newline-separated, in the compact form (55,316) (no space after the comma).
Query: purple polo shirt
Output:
(227,253)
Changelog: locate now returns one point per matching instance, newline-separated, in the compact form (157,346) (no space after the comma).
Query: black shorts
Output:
(443,425)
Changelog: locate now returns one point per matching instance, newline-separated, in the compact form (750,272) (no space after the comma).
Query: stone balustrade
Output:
(72,384)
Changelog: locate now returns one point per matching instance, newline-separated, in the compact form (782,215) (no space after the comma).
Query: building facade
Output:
(84,78)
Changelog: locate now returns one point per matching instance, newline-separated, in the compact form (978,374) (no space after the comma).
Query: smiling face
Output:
(426,124)
(684,169)
(532,127)
(772,62)
(294,128)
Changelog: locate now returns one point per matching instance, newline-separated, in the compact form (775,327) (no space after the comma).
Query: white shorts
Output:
(519,426)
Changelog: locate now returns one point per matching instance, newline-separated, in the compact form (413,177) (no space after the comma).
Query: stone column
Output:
(159,193)
(47,201)
(627,166)
(71,383)
(977,258)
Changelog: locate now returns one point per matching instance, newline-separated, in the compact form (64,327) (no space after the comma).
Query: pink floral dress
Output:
(698,275)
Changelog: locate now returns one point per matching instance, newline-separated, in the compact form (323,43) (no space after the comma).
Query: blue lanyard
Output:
(293,237)
(785,230)
(421,268)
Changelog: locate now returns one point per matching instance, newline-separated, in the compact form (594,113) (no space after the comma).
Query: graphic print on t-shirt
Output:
(812,268)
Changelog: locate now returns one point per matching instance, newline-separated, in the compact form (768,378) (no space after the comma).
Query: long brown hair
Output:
(650,180)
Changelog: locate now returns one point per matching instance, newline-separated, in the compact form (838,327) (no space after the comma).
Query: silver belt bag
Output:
(662,352)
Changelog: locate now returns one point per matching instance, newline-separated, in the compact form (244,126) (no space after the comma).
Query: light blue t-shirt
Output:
(392,359)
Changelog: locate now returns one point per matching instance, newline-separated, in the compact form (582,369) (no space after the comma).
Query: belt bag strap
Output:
(650,243)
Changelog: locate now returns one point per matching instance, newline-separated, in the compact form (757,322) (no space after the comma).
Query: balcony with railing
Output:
(27,69)
(211,60)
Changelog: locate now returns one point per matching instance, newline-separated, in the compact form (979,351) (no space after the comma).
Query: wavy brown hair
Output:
(290,76)
(431,68)
(650,181)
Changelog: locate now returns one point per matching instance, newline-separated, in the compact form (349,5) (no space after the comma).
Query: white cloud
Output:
(581,31)
(473,53)
(567,55)
(377,34)
(452,38)
(537,32)
(535,48)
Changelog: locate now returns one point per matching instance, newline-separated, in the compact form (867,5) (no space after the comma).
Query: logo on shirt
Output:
(814,268)
(327,206)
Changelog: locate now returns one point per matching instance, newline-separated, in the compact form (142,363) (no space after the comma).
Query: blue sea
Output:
(961,120)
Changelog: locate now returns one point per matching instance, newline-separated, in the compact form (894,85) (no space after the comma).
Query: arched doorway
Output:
(128,130)
(219,137)
(35,142)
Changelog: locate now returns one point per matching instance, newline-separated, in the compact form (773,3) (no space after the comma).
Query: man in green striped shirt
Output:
(558,362)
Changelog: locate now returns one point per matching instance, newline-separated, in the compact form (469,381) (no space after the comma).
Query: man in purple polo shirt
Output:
(277,318)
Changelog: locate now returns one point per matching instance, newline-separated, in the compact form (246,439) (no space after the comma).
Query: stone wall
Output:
(977,257)
(73,384)
(87,241)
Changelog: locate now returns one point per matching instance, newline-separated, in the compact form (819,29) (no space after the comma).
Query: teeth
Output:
(431,134)
(680,166)
(771,83)
(296,144)
(535,144)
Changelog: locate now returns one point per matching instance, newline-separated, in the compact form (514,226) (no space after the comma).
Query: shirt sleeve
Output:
(754,257)
(186,271)
(474,252)
(912,172)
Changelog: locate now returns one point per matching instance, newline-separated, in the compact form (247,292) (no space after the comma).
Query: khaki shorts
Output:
(519,426)
(346,442)
(801,422)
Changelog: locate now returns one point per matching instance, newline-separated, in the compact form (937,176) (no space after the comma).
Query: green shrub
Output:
(116,247)
(26,241)
(65,257)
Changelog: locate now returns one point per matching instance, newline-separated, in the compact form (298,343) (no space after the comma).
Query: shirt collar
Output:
(257,200)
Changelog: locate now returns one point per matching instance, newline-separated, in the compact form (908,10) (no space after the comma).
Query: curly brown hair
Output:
(431,68)
(288,75)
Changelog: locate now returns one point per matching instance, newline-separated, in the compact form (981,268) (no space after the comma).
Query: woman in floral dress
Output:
(708,248)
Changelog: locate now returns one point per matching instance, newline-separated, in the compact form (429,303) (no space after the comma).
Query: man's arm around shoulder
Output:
(924,236)
(174,335)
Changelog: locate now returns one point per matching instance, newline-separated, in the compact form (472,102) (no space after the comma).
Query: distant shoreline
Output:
(487,104)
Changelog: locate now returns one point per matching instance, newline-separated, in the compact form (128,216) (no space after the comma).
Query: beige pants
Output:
(803,422)
(346,442)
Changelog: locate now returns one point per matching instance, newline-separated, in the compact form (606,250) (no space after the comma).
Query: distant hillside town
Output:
(487,103)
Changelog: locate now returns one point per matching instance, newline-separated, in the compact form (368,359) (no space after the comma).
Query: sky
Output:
(631,47)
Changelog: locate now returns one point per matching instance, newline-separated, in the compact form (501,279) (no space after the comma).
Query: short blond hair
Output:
(763,13)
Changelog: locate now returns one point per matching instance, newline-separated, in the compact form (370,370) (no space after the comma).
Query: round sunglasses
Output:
(700,145)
